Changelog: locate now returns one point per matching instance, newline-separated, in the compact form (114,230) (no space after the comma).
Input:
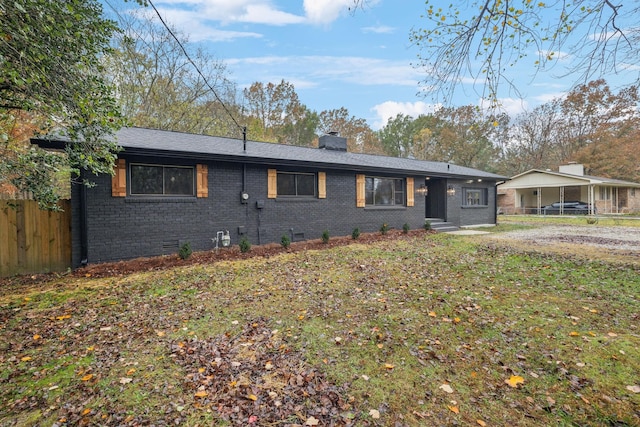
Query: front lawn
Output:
(429,329)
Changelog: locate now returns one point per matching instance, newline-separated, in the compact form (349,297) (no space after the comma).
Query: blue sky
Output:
(336,58)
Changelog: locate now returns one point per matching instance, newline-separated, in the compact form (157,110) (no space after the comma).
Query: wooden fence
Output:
(32,240)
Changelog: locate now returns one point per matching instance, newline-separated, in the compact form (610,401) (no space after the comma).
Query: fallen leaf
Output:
(446,387)
(125,380)
(389,366)
(63,317)
(432,313)
(454,409)
(26,358)
(87,377)
(574,334)
(201,393)
(131,371)
(514,380)
(481,423)
(252,397)
(634,388)
(311,421)
(85,412)
(268,366)
(36,337)
(375,414)
(612,334)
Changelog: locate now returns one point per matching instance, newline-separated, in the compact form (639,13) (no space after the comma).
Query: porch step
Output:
(440,225)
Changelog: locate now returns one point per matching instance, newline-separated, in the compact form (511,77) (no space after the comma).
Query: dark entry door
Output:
(435,202)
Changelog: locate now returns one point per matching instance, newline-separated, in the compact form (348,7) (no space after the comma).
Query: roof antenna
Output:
(244,139)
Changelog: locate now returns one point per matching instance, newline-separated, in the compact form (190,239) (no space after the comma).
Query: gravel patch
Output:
(623,239)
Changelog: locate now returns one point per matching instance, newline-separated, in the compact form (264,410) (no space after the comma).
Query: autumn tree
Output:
(484,39)
(50,67)
(159,87)
(360,137)
(275,114)
(460,135)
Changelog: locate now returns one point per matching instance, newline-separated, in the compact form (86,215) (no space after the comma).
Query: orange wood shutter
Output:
(322,185)
(119,179)
(410,196)
(360,199)
(272,183)
(202,181)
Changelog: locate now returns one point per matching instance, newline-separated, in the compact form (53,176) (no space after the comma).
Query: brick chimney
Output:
(332,141)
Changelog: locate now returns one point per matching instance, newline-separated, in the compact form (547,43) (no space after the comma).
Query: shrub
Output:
(285,241)
(185,251)
(244,244)
(405,228)
(427,225)
(384,228)
(355,233)
(592,220)
(325,236)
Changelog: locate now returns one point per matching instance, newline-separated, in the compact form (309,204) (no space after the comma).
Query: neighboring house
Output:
(170,188)
(530,191)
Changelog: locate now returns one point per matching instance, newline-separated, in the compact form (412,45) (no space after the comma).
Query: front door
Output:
(435,200)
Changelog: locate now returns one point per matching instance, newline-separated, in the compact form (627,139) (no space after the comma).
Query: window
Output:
(605,193)
(160,180)
(474,197)
(295,184)
(384,191)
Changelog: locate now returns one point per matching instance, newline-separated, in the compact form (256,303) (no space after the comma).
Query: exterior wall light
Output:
(423,190)
(451,191)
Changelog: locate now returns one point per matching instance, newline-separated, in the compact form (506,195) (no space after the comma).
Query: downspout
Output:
(495,204)
(84,238)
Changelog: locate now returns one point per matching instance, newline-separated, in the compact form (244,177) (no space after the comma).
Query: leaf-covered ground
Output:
(425,329)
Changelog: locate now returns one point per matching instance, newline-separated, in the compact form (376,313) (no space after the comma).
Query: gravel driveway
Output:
(616,241)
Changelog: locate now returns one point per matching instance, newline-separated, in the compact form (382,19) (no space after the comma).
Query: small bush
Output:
(185,251)
(245,246)
(592,220)
(325,236)
(285,241)
(355,233)
(405,228)
(427,225)
(384,228)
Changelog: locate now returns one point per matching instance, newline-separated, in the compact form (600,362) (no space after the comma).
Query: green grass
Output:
(392,322)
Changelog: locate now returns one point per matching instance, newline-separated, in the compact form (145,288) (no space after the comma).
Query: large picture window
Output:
(296,184)
(384,191)
(160,180)
(474,197)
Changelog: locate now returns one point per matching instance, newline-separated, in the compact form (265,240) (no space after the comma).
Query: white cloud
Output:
(228,11)
(324,12)
(390,109)
(380,29)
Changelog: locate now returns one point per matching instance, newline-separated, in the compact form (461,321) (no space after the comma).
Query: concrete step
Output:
(440,225)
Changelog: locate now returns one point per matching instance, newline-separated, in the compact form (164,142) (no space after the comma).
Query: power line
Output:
(186,54)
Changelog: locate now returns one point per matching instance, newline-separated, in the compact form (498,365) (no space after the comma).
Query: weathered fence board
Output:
(32,240)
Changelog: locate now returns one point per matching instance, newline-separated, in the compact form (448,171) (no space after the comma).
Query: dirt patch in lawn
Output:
(620,244)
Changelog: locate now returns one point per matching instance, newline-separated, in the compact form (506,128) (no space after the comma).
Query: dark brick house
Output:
(170,188)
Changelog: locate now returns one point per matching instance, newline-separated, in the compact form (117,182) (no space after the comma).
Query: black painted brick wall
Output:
(128,227)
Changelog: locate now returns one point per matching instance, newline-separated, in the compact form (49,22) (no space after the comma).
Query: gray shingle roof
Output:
(176,144)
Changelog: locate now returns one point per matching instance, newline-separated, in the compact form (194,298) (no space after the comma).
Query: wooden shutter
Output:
(202,181)
(322,185)
(410,196)
(360,197)
(119,179)
(272,183)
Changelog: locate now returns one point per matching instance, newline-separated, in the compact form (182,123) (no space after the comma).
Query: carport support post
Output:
(561,200)
(539,200)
